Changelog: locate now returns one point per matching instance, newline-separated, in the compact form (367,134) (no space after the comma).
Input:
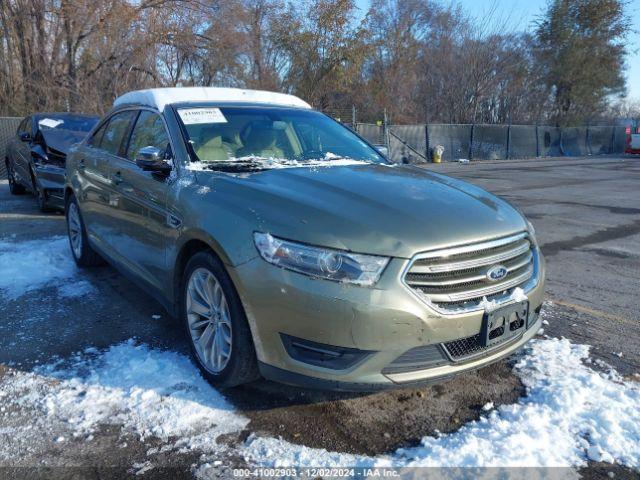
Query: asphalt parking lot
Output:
(586,212)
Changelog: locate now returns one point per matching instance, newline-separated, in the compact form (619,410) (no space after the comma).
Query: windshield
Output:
(270,137)
(74,123)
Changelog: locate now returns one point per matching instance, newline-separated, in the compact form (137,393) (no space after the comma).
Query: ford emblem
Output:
(497,272)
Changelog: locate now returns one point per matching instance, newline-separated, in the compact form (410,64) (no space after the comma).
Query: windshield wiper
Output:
(235,165)
(313,159)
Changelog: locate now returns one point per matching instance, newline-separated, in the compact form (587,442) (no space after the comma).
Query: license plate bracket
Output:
(503,323)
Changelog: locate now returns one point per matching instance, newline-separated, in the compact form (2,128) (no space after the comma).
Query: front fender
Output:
(188,235)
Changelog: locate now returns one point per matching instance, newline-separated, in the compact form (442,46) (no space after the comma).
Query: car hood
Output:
(376,209)
(61,140)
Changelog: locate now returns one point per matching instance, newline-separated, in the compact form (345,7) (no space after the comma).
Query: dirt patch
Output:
(375,423)
(106,453)
(600,470)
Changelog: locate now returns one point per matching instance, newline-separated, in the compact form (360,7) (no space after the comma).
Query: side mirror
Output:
(150,159)
(383,150)
(25,136)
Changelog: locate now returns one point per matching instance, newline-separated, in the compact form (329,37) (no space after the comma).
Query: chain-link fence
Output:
(372,133)
(408,143)
(415,143)
(8,126)
(600,140)
(523,141)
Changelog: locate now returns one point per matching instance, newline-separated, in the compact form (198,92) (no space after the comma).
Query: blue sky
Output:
(523,12)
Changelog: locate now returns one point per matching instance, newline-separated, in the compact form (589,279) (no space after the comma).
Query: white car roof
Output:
(160,97)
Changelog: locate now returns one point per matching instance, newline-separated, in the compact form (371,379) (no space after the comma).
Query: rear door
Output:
(139,211)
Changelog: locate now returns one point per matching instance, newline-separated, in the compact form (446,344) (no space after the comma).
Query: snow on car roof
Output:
(160,97)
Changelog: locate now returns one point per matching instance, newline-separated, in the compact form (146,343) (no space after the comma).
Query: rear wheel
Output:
(216,324)
(14,187)
(82,252)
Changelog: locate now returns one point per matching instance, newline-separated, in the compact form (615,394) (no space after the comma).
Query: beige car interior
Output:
(266,139)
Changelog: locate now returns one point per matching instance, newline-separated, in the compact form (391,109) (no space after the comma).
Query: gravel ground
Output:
(587,215)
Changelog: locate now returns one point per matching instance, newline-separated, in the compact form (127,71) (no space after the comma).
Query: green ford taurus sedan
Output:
(292,249)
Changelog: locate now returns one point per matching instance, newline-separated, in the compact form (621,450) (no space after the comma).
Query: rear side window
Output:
(115,132)
(148,132)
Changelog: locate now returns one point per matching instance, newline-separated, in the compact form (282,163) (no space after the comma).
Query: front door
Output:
(138,210)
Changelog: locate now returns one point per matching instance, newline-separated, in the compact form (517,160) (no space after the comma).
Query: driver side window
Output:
(20,128)
(25,126)
(149,131)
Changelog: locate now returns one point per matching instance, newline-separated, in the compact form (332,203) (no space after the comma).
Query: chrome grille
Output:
(457,278)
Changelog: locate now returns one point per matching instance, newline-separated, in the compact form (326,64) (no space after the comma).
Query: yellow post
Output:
(437,154)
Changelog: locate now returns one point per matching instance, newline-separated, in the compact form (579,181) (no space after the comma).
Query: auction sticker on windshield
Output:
(50,122)
(192,116)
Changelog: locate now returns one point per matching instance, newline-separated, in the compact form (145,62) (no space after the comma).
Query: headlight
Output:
(336,265)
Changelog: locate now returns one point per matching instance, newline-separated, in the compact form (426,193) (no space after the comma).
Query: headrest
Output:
(213,142)
(260,135)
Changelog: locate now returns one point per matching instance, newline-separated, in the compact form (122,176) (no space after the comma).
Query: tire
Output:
(81,250)
(41,196)
(14,187)
(240,365)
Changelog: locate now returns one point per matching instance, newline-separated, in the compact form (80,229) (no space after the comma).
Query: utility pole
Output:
(386,129)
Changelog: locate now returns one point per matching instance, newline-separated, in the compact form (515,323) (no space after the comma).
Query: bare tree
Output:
(581,49)
(417,60)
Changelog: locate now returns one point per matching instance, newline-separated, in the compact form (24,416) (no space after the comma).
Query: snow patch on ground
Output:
(150,392)
(78,289)
(32,264)
(570,414)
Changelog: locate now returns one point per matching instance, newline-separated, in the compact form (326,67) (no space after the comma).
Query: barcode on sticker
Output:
(192,116)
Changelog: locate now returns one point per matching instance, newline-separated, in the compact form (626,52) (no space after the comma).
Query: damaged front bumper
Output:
(334,336)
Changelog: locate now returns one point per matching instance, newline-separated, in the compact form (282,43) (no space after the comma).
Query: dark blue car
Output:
(36,155)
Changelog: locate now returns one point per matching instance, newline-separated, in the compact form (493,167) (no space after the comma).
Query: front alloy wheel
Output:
(209,320)
(216,324)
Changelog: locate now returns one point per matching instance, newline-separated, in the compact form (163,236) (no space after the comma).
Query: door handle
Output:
(117,178)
